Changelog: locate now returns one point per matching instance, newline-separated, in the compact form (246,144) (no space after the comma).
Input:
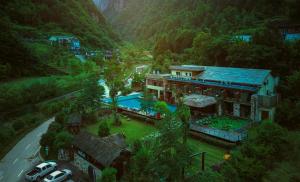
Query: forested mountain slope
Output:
(144,19)
(200,32)
(32,20)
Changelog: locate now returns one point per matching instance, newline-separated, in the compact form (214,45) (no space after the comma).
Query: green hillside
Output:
(28,21)
(201,32)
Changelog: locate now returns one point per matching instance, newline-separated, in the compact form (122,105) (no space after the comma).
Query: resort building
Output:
(71,42)
(209,90)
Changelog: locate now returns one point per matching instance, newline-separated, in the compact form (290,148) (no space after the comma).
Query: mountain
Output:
(203,32)
(35,20)
(147,19)
(110,7)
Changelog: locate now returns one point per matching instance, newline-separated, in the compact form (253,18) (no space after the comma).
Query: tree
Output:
(266,145)
(109,175)
(103,130)
(48,139)
(114,79)
(91,95)
(147,102)
(170,155)
(184,114)
(63,140)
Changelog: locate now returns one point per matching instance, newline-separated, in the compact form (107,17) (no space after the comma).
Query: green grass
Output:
(135,130)
(132,129)
(213,154)
(227,123)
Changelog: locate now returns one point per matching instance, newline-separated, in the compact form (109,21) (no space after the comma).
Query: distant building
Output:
(92,154)
(289,31)
(244,38)
(69,41)
(210,90)
(141,69)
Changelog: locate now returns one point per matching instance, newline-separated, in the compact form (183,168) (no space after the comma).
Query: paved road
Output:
(23,156)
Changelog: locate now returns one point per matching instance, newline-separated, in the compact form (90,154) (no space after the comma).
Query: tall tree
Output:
(184,114)
(114,78)
(147,102)
(91,95)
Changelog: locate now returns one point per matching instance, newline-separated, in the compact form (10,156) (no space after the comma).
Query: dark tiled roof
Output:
(104,150)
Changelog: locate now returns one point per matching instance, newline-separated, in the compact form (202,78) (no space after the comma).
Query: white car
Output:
(58,176)
(40,171)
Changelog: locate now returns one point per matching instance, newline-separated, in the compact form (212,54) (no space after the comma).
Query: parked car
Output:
(58,176)
(40,171)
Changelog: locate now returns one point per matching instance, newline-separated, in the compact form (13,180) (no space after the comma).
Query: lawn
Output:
(135,130)
(132,129)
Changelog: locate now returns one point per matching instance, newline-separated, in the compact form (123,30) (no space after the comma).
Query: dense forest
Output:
(35,20)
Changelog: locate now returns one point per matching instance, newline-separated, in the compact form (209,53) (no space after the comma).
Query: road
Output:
(23,156)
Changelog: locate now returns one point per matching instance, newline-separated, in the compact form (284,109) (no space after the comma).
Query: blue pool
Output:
(133,103)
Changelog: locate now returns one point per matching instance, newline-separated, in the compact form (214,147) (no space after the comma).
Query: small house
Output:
(92,154)
(69,41)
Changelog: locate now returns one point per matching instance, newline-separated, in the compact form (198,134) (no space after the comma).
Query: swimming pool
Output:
(133,103)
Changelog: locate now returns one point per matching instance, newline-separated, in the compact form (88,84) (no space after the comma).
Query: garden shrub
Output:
(109,175)
(6,135)
(18,125)
(63,140)
(103,130)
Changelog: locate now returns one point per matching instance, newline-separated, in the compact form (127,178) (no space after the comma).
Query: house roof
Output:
(57,37)
(234,75)
(187,68)
(199,101)
(104,150)
(292,36)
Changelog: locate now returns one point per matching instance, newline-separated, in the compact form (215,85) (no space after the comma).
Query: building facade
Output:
(208,90)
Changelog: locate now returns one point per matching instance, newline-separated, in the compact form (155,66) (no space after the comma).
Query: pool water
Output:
(133,102)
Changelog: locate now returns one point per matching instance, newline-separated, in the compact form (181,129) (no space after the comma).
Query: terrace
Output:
(226,128)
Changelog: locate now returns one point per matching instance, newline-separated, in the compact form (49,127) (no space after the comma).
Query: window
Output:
(190,74)
(186,74)
(177,73)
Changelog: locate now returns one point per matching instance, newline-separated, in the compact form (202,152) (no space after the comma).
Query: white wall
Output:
(83,165)
(270,87)
(182,73)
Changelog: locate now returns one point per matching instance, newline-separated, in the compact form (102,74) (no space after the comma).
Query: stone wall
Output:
(83,165)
